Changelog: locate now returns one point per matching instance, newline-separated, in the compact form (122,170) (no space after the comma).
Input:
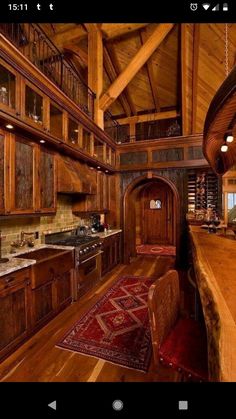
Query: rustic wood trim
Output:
(150,71)
(135,64)
(119,29)
(183,77)
(112,75)
(126,93)
(95,69)
(196,42)
(148,117)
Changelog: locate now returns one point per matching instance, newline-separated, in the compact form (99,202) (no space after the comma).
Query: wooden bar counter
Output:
(214,259)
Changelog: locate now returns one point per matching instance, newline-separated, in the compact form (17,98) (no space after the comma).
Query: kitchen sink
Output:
(40,254)
(50,264)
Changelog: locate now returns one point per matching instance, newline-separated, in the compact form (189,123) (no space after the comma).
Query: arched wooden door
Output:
(157,214)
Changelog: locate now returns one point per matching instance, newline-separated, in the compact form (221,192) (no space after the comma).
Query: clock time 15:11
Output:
(21,6)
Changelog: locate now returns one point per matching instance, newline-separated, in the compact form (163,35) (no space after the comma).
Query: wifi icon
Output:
(206,5)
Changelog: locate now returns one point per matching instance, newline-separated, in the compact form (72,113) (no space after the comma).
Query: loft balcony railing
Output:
(32,41)
(150,130)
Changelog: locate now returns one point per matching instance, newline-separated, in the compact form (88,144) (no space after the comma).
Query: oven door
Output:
(88,273)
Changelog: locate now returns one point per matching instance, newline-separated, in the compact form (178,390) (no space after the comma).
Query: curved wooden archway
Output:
(129,234)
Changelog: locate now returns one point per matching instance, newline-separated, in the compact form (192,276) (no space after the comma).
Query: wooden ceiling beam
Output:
(78,52)
(114,30)
(73,34)
(196,42)
(95,70)
(116,65)
(150,71)
(112,75)
(148,117)
(135,64)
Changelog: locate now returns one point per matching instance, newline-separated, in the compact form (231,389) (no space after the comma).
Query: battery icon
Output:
(225,7)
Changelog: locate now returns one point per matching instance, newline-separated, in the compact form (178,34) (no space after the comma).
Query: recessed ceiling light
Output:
(224,148)
(76,130)
(229,138)
(106,171)
(98,167)
(9,126)
(42,141)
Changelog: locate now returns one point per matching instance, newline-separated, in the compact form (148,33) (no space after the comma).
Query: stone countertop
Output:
(214,259)
(14,264)
(103,235)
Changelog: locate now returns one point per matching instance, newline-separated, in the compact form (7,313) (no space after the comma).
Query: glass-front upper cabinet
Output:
(113,157)
(56,121)
(73,131)
(8,81)
(86,141)
(34,103)
(98,149)
(108,154)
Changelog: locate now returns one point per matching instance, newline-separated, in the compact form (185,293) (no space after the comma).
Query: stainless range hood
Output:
(74,177)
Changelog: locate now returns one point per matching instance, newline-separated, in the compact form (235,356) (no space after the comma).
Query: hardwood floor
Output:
(40,360)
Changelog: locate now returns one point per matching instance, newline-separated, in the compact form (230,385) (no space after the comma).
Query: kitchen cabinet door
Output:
(64,290)
(9,89)
(43,303)
(2,173)
(35,106)
(47,181)
(14,310)
(22,173)
(106,256)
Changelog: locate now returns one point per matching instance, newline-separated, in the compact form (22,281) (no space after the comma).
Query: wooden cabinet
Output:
(43,305)
(22,176)
(47,181)
(34,106)
(14,309)
(51,287)
(111,256)
(9,86)
(99,201)
(27,176)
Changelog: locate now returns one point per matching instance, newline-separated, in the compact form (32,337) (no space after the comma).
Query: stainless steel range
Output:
(87,269)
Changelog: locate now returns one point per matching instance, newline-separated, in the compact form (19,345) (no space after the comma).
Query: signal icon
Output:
(206,6)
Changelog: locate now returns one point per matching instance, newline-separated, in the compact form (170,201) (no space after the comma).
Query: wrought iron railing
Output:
(149,130)
(32,41)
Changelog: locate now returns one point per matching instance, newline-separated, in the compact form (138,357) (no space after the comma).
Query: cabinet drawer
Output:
(14,278)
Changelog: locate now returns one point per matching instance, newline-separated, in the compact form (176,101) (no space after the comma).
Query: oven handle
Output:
(91,257)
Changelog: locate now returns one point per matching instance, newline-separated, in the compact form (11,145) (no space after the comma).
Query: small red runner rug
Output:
(117,327)
(155,249)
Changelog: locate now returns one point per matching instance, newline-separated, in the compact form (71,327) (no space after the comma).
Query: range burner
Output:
(76,241)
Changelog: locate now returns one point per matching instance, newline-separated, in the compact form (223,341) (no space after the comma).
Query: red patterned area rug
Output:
(155,249)
(116,328)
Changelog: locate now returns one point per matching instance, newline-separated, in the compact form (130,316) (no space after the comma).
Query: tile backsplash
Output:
(63,219)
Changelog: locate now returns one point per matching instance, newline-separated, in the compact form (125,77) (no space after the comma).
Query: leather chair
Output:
(179,343)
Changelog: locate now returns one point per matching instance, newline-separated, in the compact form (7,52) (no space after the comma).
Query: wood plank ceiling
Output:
(183,73)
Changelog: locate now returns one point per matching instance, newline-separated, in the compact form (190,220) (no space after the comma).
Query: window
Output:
(155,204)
(231,201)
(7,87)
(33,105)
(72,131)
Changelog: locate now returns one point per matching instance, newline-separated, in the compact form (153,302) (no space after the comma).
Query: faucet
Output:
(22,242)
(30,241)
